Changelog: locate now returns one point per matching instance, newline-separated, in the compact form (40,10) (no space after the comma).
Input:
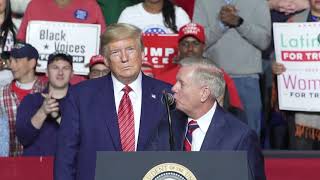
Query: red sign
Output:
(299,56)
(160,50)
(30,168)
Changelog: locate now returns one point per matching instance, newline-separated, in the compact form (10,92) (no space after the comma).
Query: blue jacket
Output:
(227,133)
(90,124)
(36,142)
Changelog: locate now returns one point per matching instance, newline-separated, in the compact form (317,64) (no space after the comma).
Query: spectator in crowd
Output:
(98,67)
(7,40)
(155,17)
(75,11)
(23,61)
(280,11)
(112,8)
(96,111)
(209,127)
(304,127)
(236,34)
(192,44)
(39,114)
(4,136)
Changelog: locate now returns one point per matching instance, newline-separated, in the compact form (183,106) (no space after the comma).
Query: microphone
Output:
(168,100)
(171,100)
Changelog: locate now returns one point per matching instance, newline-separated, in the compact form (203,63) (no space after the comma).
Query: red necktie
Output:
(192,125)
(126,121)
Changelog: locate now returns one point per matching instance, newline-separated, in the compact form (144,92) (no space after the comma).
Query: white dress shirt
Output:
(204,123)
(135,97)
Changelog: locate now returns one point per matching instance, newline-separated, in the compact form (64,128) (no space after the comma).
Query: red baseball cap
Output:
(192,29)
(97,59)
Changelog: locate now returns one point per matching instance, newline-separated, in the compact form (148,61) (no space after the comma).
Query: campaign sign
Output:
(297,47)
(160,50)
(82,41)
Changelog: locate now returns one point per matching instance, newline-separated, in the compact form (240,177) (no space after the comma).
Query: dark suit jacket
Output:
(90,124)
(228,133)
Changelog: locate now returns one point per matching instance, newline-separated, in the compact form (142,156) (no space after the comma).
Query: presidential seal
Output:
(169,171)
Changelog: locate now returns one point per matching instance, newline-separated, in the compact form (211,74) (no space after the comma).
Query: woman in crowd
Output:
(155,16)
(303,127)
(7,39)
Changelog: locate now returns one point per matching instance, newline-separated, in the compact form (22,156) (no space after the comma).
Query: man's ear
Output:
(205,94)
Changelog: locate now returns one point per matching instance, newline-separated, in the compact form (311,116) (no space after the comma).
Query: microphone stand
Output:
(171,140)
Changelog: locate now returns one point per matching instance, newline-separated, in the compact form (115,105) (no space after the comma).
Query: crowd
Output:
(223,80)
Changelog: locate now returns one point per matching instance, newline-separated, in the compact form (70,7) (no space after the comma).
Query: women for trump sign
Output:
(297,46)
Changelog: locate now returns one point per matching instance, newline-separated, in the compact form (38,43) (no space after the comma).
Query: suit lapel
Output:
(110,114)
(180,128)
(149,115)
(215,132)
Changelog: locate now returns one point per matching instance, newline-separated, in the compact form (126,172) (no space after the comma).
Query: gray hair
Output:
(121,31)
(206,73)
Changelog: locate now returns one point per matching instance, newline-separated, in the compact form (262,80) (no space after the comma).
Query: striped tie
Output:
(192,125)
(126,121)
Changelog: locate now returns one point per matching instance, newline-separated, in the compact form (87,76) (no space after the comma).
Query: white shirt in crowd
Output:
(151,23)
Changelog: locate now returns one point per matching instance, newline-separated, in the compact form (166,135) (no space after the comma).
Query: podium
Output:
(226,165)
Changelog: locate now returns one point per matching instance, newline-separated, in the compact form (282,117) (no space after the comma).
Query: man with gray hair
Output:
(209,127)
(121,111)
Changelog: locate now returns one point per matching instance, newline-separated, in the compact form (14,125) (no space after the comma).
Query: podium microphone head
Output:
(171,99)
(168,98)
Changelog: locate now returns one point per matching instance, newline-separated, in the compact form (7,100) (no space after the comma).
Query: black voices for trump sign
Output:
(297,47)
(82,41)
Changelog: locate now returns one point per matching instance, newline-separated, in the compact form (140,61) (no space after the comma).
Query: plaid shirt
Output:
(8,107)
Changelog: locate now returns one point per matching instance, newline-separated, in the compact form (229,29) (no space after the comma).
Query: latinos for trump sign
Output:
(297,47)
(79,40)
(160,51)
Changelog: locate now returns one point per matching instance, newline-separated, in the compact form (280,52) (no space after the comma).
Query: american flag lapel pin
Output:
(153,96)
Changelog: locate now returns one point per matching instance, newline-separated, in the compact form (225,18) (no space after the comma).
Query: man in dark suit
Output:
(209,127)
(118,112)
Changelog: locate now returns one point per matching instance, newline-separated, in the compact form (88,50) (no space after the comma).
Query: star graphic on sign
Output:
(46,46)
